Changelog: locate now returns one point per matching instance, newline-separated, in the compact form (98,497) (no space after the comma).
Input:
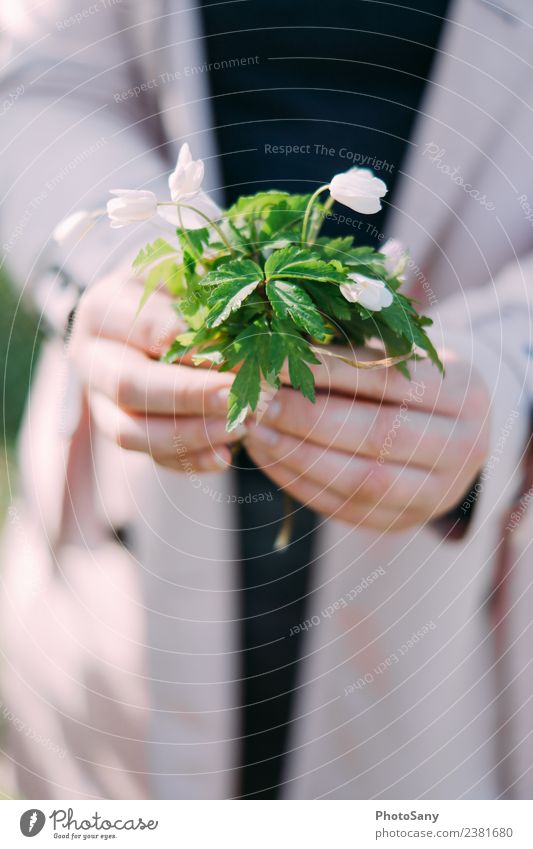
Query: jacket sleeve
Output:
(491,328)
(73,129)
(495,322)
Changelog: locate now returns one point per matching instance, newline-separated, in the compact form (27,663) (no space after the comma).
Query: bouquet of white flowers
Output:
(258,286)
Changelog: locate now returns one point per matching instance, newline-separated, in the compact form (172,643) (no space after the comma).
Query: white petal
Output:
(186,179)
(133,194)
(130,205)
(386,298)
(359,190)
(184,156)
(350,291)
(370,298)
(73,227)
(396,257)
(191,220)
(371,294)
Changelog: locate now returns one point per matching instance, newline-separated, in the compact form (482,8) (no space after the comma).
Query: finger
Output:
(389,485)
(216,459)
(388,384)
(131,380)
(164,437)
(113,313)
(392,433)
(321,500)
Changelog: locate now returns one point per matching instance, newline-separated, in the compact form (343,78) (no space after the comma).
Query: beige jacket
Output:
(120,668)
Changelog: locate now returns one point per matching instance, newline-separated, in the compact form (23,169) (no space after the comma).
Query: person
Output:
(154,643)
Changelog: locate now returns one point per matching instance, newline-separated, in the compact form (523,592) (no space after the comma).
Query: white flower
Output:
(73,227)
(190,219)
(186,180)
(131,205)
(370,293)
(395,257)
(359,190)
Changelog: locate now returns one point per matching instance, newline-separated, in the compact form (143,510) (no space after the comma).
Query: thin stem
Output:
(205,217)
(318,226)
(193,250)
(309,208)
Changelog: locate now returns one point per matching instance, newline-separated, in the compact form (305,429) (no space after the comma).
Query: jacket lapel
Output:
(468,89)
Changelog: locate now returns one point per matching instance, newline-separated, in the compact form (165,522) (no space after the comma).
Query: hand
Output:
(177,413)
(377,450)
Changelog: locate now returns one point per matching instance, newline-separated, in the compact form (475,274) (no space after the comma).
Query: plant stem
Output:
(284,535)
(210,221)
(193,250)
(309,208)
(316,230)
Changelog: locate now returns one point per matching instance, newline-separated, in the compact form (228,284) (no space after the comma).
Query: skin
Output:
(138,402)
(376,450)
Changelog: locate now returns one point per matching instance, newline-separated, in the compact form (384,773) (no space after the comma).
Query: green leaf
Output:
(152,253)
(255,205)
(329,300)
(334,248)
(284,216)
(232,283)
(288,344)
(404,321)
(175,352)
(166,272)
(366,260)
(231,298)
(243,271)
(244,392)
(196,238)
(301,263)
(292,301)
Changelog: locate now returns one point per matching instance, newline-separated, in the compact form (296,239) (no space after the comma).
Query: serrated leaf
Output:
(203,341)
(301,263)
(244,392)
(226,299)
(301,375)
(175,352)
(243,271)
(334,248)
(289,344)
(403,320)
(152,253)
(283,216)
(255,204)
(289,300)
(166,272)
(329,300)
(366,260)
(196,238)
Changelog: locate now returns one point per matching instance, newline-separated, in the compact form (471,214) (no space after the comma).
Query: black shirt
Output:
(301,91)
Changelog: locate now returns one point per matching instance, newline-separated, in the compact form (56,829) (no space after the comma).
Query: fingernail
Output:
(264,435)
(272,411)
(219,401)
(240,432)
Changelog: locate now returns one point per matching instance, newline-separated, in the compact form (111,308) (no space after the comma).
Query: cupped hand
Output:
(174,413)
(377,450)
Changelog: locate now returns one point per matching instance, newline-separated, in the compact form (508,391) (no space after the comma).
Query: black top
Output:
(301,91)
